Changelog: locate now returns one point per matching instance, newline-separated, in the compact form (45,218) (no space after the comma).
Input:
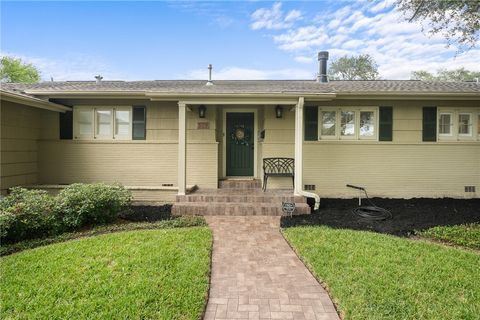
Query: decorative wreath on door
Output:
(240,135)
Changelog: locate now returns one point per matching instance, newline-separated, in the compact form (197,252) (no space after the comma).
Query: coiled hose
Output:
(371,212)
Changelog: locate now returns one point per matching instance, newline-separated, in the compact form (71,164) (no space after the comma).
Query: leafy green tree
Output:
(457,20)
(15,70)
(362,67)
(458,75)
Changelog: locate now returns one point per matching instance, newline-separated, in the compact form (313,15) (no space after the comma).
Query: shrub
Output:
(27,214)
(87,204)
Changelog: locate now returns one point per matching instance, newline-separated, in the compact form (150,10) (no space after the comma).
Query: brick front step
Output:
(239,184)
(234,209)
(241,196)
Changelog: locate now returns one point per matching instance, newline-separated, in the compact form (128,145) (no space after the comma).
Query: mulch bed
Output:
(408,215)
(139,213)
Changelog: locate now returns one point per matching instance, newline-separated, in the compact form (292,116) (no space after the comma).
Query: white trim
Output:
(94,136)
(298,180)
(455,114)
(338,121)
(182,148)
(130,123)
(32,102)
(255,137)
(452,118)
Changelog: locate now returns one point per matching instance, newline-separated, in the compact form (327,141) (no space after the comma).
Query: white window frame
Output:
(455,115)
(470,128)
(93,135)
(320,122)
(109,135)
(76,124)
(130,123)
(452,125)
(338,121)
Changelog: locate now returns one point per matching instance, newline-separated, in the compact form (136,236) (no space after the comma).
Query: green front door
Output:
(240,140)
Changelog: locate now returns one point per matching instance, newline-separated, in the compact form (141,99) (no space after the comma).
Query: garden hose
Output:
(371,212)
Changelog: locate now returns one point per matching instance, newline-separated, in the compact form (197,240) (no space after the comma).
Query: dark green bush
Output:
(27,214)
(88,204)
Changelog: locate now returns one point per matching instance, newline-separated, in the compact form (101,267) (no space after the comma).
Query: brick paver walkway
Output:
(256,275)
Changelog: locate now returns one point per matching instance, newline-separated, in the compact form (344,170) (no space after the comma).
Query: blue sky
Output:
(243,40)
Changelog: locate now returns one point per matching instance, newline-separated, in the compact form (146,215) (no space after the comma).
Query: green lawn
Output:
(177,222)
(467,235)
(160,274)
(375,276)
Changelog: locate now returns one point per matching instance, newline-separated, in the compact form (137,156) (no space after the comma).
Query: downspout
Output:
(299,155)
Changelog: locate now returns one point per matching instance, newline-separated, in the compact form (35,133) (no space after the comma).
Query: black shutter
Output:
(311,123)
(385,124)
(139,123)
(66,125)
(429,124)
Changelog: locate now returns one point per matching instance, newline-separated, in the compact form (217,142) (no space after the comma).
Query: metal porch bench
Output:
(278,167)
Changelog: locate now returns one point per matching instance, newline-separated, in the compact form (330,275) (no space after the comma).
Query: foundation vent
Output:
(167,184)
(309,187)
(469,188)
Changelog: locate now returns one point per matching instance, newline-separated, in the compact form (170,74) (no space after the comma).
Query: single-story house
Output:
(162,139)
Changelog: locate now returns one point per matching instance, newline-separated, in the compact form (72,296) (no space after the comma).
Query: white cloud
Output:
(301,38)
(274,18)
(304,59)
(72,67)
(237,73)
(378,29)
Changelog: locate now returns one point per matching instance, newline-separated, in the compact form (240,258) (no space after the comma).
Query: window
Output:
(464,124)
(348,124)
(85,122)
(445,124)
(102,123)
(328,123)
(458,124)
(139,125)
(367,124)
(123,121)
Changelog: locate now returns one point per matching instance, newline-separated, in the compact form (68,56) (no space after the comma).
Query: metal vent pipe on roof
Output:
(209,82)
(98,78)
(322,59)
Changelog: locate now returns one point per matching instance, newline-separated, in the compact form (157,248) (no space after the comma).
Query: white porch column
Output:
(298,185)
(182,148)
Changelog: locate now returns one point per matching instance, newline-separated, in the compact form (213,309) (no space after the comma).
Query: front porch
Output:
(238,198)
(247,131)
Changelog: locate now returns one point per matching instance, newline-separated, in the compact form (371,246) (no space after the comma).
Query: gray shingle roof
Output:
(254,86)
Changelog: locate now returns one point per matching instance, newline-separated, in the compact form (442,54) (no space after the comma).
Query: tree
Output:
(457,20)
(362,67)
(457,75)
(15,70)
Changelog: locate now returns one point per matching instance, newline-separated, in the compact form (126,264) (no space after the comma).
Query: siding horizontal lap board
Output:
(132,164)
(402,170)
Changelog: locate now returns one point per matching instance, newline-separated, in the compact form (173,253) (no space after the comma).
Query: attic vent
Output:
(309,187)
(209,82)
(469,188)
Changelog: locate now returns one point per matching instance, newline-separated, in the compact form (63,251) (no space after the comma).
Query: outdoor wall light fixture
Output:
(201,111)
(279,111)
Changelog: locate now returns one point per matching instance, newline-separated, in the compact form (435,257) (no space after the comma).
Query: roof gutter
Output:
(409,95)
(32,101)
